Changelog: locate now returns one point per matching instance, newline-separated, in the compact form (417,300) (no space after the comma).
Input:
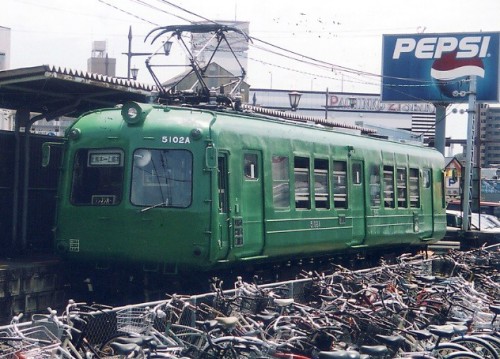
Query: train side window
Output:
(339,184)
(414,188)
(301,173)
(388,187)
(321,190)
(401,187)
(281,182)
(375,186)
(250,168)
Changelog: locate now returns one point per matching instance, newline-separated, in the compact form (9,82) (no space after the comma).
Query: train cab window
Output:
(250,168)
(321,190)
(301,174)
(281,182)
(388,187)
(401,187)
(339,184)
(375,186)
(414,188)
(162,178)
(97,177)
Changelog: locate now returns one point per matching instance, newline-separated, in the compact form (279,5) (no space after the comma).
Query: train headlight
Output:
(61,247)
(74,134)
(134,113)
(196,133)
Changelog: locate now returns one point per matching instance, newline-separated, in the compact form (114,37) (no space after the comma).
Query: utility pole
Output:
(440,127)
(469,156)
(131,54)
(326,104)
(129,57)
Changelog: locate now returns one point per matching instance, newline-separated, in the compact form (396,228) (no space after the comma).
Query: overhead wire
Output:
(127,12)
(290,54)
(313,61)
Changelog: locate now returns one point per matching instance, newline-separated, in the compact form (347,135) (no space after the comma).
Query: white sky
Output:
(343,33)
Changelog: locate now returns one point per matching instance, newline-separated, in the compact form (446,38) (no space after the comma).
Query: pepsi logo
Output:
(449,67)
(451,74)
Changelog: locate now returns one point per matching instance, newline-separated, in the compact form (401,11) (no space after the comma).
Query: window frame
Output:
(281,183)
(321,171)
(301,169)
(340,184)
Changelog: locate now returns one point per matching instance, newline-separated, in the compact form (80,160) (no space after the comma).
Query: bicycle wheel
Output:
(231,348)
(491,339)
(461,355)
(447,348)
(477,345)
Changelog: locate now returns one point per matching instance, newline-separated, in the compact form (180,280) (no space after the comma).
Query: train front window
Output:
(97,177)
(162,178)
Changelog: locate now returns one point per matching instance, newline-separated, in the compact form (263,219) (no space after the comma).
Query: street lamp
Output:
(294,97)
(134,71)
(167,46)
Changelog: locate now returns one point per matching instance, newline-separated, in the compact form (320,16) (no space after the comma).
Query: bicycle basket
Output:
(32,342)
(132,320)
(254,305)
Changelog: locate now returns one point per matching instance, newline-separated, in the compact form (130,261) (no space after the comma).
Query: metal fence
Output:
(106,323)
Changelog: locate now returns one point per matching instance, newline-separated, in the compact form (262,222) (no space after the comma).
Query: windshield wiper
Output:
(161,204)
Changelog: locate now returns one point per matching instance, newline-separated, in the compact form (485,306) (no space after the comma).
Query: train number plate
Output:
(74,245)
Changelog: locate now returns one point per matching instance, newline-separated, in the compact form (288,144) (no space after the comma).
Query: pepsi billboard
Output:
(436,67)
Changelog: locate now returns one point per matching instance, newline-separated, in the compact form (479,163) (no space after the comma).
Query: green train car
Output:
(180,190)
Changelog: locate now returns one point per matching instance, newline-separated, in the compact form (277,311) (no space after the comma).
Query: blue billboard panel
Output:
(437,67)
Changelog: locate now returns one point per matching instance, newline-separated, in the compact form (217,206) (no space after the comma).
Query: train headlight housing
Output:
(196,133)
(74,134)
(134,113)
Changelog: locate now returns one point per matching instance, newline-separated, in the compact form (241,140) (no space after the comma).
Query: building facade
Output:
(4,48)
(100,62)
(489,135)
(403,121)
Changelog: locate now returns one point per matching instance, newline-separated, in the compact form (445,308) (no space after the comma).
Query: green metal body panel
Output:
(202,236)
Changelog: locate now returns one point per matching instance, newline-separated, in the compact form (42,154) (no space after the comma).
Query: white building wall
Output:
(6,116)
(4,48)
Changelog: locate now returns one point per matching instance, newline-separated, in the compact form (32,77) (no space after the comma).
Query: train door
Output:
(357,202)
(223,212)
(427,227)
(248,237)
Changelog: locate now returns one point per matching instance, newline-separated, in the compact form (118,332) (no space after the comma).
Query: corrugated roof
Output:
(48,88)
(301,118)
